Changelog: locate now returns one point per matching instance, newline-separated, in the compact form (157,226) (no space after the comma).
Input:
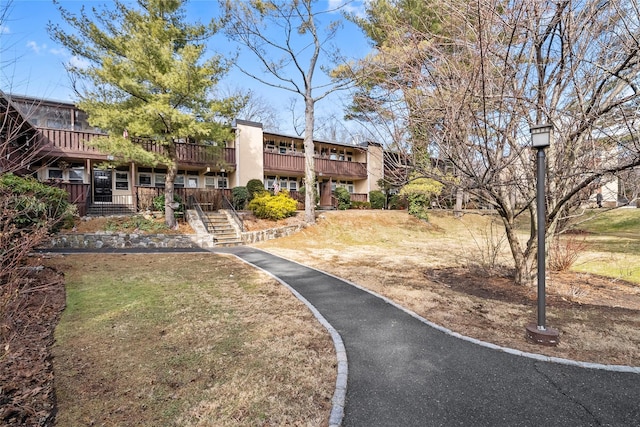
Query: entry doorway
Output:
(102,186)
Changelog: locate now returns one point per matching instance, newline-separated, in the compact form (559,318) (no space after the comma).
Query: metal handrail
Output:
(193,204)
(227,205)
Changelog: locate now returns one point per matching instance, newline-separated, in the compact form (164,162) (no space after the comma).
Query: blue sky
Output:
(32,64)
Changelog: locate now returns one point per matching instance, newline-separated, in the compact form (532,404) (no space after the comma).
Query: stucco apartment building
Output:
(61,132)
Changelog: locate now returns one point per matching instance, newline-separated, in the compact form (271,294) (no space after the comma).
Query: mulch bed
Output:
(27,323)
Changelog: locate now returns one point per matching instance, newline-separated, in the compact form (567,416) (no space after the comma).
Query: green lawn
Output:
(613,244)
(189,339)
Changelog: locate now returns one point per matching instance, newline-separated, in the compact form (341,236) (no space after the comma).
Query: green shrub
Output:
(255,187)
(158,203)
(376,198)
(344,198)
(397,202)
(35,203)
(419,192)
(280,206)
(240,196)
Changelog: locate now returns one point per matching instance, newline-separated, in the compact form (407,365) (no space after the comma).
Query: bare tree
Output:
(469,89)
(291,62)
(255,107)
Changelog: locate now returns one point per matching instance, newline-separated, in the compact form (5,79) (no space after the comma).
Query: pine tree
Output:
(147,81)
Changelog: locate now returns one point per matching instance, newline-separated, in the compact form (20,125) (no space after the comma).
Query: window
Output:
(54,173)
(269,182)
(179,181)
(55,124)
(270,146)
(210,182)
(283,148)
(144,179)
(122,180)
(76,175)
(192,182)
(222,182)
(293,185)
(159,180)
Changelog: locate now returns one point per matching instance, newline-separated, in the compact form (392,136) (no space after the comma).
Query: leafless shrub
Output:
(16,243)
(490,243)
(564,252)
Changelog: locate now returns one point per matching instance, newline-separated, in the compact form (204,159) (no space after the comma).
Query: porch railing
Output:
(192,203)
(78,194)
(207,198)
(226,204)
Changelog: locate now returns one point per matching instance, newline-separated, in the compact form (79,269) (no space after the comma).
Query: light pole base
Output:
(548,336)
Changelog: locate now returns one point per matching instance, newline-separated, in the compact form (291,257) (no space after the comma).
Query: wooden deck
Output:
(294,164)
(69,143)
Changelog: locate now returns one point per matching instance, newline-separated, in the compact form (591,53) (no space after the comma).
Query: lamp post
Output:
(539,333)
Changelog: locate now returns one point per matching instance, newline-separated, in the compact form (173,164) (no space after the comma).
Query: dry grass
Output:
(193,340)
(446,272)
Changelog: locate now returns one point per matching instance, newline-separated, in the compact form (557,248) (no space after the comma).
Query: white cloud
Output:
(57,52)
(35,46)
(4,29)
(78,62)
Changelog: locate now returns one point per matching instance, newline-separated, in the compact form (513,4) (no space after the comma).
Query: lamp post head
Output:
(541,136)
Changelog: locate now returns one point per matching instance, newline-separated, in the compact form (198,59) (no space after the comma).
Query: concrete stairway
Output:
(224,233)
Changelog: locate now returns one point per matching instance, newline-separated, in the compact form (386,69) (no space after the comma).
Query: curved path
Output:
(402,372)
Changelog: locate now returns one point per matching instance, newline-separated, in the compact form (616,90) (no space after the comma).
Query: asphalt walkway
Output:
(403,372)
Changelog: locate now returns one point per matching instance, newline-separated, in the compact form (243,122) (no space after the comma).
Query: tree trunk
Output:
(457,212)
(309,164)
(523,259)
(169,215)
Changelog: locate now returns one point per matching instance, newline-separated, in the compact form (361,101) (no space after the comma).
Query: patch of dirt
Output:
(27,396)
(435,271)
(125,224)
(251,223)
(563,290)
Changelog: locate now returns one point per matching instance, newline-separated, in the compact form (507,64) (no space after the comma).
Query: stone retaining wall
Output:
(109,239)
(128,240)
(249,237)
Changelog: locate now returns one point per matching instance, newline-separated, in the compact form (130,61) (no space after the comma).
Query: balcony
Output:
(294,164)
(196,154)
(69,143)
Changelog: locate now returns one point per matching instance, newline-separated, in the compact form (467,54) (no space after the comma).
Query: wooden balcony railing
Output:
(196,154)
(341,168)
(60,142)
(287,163)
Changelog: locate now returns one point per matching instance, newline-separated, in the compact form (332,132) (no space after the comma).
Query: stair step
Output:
(223,232)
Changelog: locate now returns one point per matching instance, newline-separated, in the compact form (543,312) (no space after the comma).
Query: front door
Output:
(102,183)
(325,194)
